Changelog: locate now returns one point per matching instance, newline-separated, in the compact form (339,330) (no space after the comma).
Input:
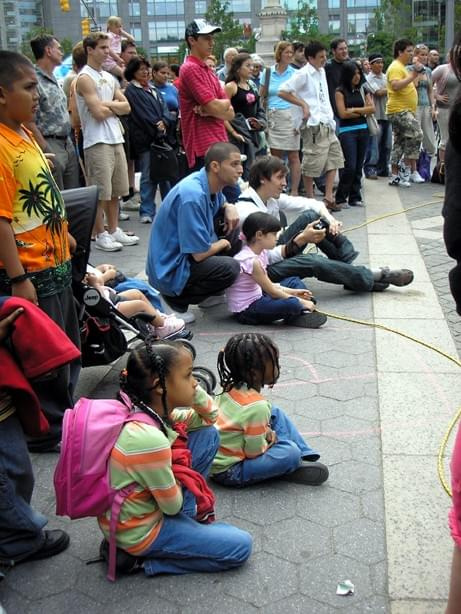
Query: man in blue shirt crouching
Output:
(195,234)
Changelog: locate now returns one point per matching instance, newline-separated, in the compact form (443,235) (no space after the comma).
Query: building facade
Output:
(158,25)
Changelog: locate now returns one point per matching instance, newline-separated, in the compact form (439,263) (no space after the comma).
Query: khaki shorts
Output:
(321,150)
(106,167)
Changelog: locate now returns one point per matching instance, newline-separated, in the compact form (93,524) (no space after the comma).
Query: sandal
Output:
(332,205)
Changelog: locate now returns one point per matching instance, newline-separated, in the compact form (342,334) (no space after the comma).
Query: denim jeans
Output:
(21,526)
(186,546)
(281,458)
(378,154)
(148,189)
(336,248)
(267,309)
(354,145)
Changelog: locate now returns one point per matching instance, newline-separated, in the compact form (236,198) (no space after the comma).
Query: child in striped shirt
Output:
(157,523)
(258,441)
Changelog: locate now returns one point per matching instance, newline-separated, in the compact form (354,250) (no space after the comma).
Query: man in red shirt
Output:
(203,102)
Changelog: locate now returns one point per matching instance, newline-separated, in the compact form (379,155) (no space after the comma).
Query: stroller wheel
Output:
(206,378)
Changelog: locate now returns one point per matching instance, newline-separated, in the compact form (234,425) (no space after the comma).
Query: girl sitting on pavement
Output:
(158,522)
(258,441)
(253,297)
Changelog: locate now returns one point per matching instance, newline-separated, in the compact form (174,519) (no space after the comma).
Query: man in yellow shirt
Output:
(402,100)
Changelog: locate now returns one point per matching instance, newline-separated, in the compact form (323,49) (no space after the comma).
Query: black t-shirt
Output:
(333,70)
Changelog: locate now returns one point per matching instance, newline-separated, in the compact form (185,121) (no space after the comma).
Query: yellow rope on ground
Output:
(454,359)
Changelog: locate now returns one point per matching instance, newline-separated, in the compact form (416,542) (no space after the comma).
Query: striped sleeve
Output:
(143,454)
(202,413)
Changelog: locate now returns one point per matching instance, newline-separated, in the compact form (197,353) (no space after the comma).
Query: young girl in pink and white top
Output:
(114,63)
(253,297)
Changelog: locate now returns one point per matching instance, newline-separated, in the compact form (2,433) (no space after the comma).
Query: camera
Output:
(322,224)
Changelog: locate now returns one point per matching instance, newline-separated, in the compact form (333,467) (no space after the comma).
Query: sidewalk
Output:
(375,405)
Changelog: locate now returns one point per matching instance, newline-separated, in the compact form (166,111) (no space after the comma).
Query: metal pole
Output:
(449,23)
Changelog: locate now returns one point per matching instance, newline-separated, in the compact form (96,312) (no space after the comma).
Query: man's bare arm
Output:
(219,108)
(120,105)
(98,109)
(38,136)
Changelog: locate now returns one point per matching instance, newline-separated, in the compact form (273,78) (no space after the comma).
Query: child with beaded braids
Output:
(157,521)
(258,441)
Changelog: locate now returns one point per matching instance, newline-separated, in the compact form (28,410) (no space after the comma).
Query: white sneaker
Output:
(404,175)
(132,204)
(123,238)
(212,301)
(123,217)
(171,326)
(186,316)
(415,177)
(146,219)
(106,243)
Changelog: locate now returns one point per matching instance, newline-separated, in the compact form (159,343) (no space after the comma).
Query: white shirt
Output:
(250,202)
(95,131)
(310,85)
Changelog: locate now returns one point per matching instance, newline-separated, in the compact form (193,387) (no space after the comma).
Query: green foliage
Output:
(218,14)
(28,36)
(303,26)
(67,46)
(381,42)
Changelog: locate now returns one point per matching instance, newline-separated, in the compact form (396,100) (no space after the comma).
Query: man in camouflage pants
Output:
(401,106)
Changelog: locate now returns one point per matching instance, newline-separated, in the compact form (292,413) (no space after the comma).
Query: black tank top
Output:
(351,100)
(245,102)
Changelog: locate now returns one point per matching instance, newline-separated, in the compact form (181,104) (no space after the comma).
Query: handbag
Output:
(372,122)
(163,162)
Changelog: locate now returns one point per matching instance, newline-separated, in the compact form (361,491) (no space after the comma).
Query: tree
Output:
(303,26)
(28,36)
(381,42)
(218,14)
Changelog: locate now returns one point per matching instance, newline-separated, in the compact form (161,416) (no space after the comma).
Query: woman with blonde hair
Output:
(282,137)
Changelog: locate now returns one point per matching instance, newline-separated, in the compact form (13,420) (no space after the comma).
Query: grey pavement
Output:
(374,404)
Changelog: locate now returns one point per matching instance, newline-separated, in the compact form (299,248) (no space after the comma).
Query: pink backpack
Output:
(81,479)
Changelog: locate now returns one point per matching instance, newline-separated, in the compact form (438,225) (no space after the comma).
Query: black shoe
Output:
(396,277)
(55,542)
(357,203)
(53,447)
(308,319)
(125,563)
(309,473)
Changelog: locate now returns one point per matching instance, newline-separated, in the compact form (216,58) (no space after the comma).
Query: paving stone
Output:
(320,408)
(345,428)
(297,541)
(355,477)
(376,605)
(331,450)
(41,579)
(341,391)
(379,577)
(299,605)
(57,604)
(315,504)
(373,505)
(217,603)
(264,503)
(368,450)
(363,408)
(320,579)
(266,579)
(361,539)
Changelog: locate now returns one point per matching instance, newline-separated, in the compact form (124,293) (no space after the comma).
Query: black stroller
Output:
(105,333)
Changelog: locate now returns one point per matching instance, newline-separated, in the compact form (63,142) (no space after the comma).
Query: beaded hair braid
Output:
(244,360)
(152,358)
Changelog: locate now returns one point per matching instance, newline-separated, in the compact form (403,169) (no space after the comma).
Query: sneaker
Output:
(121,237)
(309,473)
(394,277)
(357,203)
(125,563)
(212,301)
(132,204)
(308,319)
(396,180)
(415,177)
(107,243)
(171,326)
(187,316)
(123,217)
(146,219)
(55,542)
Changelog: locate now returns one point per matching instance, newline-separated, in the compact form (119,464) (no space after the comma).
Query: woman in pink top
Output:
(254,298)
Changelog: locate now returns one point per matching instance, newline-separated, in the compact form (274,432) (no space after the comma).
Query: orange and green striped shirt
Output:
(243,419)
(142,454)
